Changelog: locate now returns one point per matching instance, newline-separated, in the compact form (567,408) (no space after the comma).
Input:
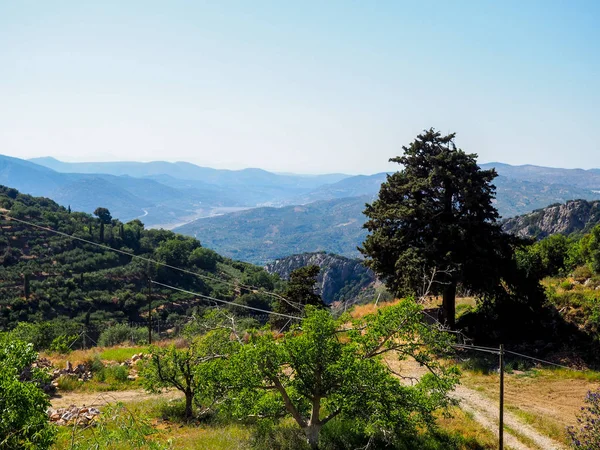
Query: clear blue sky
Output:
(311,87)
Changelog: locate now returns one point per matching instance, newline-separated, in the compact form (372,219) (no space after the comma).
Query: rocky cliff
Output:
(340,278)
(570,217)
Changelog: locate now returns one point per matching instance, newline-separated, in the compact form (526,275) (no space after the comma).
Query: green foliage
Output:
(204,259)
(436,217)
(104,215)
(62,344)
(112,374)
(193,370)
(316,373)
(68,383)
(115,427)
(120,333)
(24,424)
(45,335)
(75,286)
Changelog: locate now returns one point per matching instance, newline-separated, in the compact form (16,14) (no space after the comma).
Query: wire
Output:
(225,301)
(470,347)
(296,305)
(543,361)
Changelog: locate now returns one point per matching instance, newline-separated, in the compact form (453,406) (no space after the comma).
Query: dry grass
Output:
(363,310)
(548,400)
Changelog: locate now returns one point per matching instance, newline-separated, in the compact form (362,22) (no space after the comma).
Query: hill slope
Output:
(570,217)
(261,235)
(340,279)
(44,276)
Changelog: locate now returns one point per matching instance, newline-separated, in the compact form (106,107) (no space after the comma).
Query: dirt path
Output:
(485,411)
(103,398)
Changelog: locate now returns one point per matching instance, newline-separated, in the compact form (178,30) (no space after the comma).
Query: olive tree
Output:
(330,368)
(193,369)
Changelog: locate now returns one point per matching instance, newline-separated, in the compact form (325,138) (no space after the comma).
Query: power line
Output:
(543,361)
(225,301)
(296,305)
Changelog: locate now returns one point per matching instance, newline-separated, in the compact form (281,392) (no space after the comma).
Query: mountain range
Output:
(256,215)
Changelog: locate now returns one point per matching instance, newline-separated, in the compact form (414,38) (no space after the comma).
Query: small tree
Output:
(24,424)
(192,370)
(326,369)
(299,292)
(105,218)
(587,437)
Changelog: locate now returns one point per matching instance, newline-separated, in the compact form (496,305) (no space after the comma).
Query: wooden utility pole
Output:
(501,421)
(149,309)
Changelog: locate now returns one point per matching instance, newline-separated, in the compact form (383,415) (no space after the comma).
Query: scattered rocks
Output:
(80,371)
(73,415)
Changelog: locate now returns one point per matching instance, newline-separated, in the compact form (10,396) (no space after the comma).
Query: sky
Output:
(305,87)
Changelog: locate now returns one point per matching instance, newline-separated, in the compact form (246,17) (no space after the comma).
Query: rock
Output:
(83,410)
(132,377)
(67,416)
(54,417)
(69,366)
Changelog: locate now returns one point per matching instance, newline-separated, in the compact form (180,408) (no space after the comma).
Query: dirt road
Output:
(518,436)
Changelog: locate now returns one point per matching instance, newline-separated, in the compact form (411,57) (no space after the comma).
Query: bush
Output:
(24,424)
(62,344)
(582,273)
(111,374)
(68,383)
(120,333)
(587,436)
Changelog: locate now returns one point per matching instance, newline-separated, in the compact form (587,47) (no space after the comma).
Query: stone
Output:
(69,366)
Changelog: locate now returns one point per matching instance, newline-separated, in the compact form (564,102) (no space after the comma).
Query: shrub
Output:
(62,344)
(116,426)
(24,424)
(582,273)
(68,383)
(566,285)
(120,333)
(587,435)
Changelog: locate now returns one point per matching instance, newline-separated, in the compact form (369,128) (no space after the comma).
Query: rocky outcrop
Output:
(570,217)
(340,278)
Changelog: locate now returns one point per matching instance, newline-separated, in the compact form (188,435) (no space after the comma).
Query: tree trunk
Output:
(188,404)
(312,435)
(449,305)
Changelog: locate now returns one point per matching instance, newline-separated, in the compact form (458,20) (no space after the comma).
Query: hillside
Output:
(262,235)
(46,277)
(340,279)
(570,217)
(584,179)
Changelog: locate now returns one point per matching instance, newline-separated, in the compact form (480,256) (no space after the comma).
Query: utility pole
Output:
(501,421)
(149,309)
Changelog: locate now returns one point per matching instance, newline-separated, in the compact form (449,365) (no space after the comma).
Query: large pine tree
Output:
(435,219)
